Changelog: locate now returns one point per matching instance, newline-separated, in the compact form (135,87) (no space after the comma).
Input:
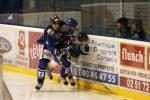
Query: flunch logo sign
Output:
(132,56)
(21,43)
(5,45)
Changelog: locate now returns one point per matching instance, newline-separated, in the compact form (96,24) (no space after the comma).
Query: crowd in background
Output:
(134,31)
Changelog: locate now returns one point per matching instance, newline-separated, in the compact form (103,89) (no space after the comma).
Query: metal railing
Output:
(94,16)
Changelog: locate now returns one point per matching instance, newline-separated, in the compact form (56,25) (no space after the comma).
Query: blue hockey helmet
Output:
(71,22)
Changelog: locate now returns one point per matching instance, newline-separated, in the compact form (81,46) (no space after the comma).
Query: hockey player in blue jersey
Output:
(50,37)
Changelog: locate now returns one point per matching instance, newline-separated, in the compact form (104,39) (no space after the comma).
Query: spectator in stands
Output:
(137,30)
(123,30)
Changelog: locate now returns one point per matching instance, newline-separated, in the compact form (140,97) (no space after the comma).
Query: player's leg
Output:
(53,63)
(49,73)
(43,64)
(65,70)
(70,77)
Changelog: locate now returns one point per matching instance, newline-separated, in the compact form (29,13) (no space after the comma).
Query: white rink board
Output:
(13,34)
(131,73)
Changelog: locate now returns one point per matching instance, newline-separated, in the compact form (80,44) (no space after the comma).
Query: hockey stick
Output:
(107,88)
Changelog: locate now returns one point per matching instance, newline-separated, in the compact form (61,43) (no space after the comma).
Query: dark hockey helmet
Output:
(71,22)
(62,23)
(82,36)
(55,20)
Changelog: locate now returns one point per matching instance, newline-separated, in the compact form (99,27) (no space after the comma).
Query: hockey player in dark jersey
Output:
(52,41)
(76,44)
(67,30)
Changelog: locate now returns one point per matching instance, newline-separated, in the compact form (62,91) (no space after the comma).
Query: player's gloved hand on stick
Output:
(56,52)
(64,51)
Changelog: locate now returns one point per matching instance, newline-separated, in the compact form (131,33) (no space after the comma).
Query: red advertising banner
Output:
(135,84)
(132,55)
(148,58)
(35,49)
